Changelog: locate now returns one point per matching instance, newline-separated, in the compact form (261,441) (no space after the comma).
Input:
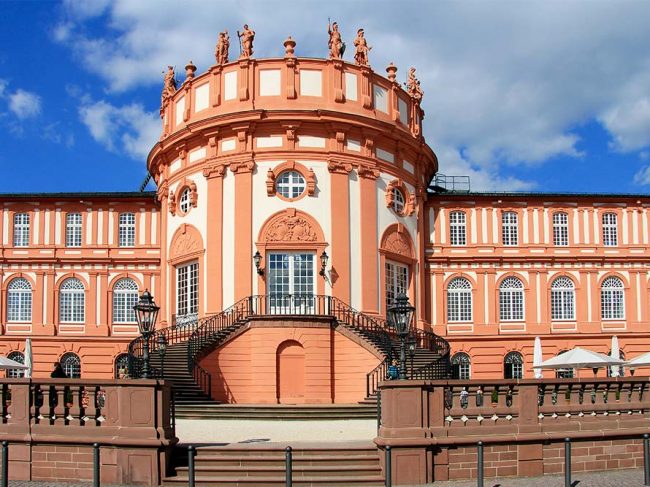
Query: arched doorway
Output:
(290,363)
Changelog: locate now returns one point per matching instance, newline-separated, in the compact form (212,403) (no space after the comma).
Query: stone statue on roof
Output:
(413,85)
(246,38)
(223,45)
(361,49)
(335,44)
(169,85)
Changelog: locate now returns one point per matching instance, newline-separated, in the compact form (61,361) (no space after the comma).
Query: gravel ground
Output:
(236,431)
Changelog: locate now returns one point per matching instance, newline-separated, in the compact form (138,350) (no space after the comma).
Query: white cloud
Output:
(3,87)
(25,104)
(505,82)
(128,129)
(642,177)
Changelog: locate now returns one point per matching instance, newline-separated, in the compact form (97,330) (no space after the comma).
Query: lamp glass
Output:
(146,312)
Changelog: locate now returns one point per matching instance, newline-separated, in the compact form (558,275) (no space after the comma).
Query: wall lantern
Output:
(399,317)
(323,263)
(257,258)
(146,312)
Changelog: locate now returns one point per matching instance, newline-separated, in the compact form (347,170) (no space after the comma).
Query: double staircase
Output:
(187,344)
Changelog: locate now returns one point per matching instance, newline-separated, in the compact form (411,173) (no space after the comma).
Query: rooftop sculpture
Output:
(335,44)
(361,49)
(169,85)
(221,50)
(413,85)
(246,38)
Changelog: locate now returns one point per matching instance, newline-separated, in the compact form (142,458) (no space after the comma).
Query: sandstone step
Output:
(279,481)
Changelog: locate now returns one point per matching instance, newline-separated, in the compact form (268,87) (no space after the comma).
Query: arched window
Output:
(560,229)
(19,300)
(71,365)
(610,230)
(513,366)
(461,366)
(563,299)
(72,301)
(616,370)
(509,230)
(121,366)
(457,228)
(511,300)
(184,201)
(19,357)
(125,296)
(459,300)
(564,373)
(290,184)
(612,306)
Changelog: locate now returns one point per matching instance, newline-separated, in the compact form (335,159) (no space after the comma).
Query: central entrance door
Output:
(291,283)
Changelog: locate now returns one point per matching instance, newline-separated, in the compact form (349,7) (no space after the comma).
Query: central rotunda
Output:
(290,190)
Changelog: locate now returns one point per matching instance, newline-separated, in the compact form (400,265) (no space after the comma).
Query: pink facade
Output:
(293,159)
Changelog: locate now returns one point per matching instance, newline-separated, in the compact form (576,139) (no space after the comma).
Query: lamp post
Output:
(162,349)
(146,312)
(399,317)
(412,345)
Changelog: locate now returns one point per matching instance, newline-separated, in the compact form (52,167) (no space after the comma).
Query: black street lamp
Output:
(146,312)
(323,263)
(162,349)
(399,317)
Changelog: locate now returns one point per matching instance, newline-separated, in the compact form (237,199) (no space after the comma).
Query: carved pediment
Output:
(291,229)
(398,244)
(187,241)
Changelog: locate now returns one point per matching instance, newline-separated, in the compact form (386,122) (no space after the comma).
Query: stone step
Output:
(278,481)
(255,470)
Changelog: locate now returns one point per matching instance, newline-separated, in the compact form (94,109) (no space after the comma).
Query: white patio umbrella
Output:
(6,363)
(28,358)
(615,353)
(579,358)
(640,361)
(537,358)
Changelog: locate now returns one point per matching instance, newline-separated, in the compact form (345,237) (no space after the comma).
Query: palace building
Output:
(296,198)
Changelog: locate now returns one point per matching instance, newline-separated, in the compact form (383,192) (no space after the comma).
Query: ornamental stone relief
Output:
(291,229)
(186,242)
(398,243)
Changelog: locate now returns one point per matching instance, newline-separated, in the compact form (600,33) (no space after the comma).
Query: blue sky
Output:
(540,96)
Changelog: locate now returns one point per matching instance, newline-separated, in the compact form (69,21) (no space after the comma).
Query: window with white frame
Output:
(513,366)
(560,229)
(72,301)
(184,201)
(563,373)
(19,357)
(459,300)
(457,228)
(610,233)
(73,225)
(509,230)
(397,278)
(121,368)
(563,299)
(612,305)
(461,366)
(616,370)
(21,230)
(71,365)
(187,289)
(125,296)
(398,201)
(511,300)
(19,300)
(290,184)
(126,230)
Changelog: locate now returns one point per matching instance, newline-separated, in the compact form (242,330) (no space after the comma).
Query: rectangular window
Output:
(560,229)
(610,234)
(397,278)
(126,230)
(457,228)
(291,282)
(73,230)
(21,229)
(187,289)
(509,228)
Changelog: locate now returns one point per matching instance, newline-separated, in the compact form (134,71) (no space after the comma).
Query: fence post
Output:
(288,467)
(567,462)
(190,465)
(378,409)
(5,463)
(96,465)
(479,475)
(646,459)
(389,469)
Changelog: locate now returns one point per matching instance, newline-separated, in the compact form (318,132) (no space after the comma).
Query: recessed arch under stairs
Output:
(187,345)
